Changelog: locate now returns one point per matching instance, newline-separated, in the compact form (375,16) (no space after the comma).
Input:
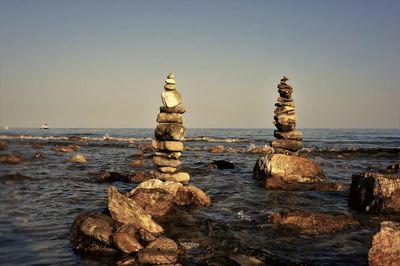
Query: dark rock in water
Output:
(97,228)
(218,261)
(170,131)
(279,169)
(393,168)
(313,223)
(3,145)
(375,193)
(14,177)
(147,148)
(180,109)
(104,176)
(322,186)
(140,177)
(37,146)
(217,149)
(199,196)
(261,150)
(287,144)
(160,251)
(84,243)
(38,155)
(385,249)
(221,164)
(10,159)
(155,202)
(126,242)
(71,148)
(183,197)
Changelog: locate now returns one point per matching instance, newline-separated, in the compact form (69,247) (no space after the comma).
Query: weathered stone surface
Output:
(78,158)
(171,76)
(181,177)
(284,102)
(171,98)
(163,161)
(180,109)
(294,134)
(283,110)
(154,201)
(140,177)
(385,248)
(171,155)
(167,169)
(3,145)
(126,242)
(183,197)
(313,223)
(97,228)
(169,118)
(169,186)
(217,149)
(375,193)
(200,197)
(170,131)
(278,169)
(127,211)
(169,87)
(287,144)
(174,146)
(128,228)
(10,159)
(160,251)
(221,164)
(146,235)
(261,150)
(287,127)
(284,119)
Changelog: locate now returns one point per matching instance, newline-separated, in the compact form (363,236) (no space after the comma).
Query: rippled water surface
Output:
(37,209)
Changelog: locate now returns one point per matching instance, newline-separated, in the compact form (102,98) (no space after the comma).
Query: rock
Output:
(279,169)
(261,150)
(313,223)
(97,228)
(3,145)
(170,81)
(71,148)
(287,144)
(126,261)
(181,177)
(167,170)
(200,197)
(385,249)
(245,260)
(221,164)
(10,159)
(104,176)
(140,177)
(375,193)
(138,155)
(160,251)
(163,161)
(14,177)
(37,146)
(217,149)
(146,235)
(147,148)
(136,163)
(168,145)
(283,110)
(169,186)
(171,155)
(393,168)
(284,151)
(169,118)
(128,228)
(169,87)
(127,211)
(294,134)
(154,201)
(171,76)
(79,158)
(126,242)
(285,119)
(171,98)
(180,109)
(183,197)
(170,131)
(287,127)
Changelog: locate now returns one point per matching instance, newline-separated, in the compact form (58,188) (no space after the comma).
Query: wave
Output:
(217,139)
(76,138)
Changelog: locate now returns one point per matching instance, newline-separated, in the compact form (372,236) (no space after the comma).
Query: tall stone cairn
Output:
(288,138)
(169,135)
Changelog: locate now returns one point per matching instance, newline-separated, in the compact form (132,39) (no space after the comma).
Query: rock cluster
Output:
(385,248)
(288,138)
(169,135)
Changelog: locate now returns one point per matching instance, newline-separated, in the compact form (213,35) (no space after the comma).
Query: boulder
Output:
(127,211)
(171,98)
(287,144)
(97,228)
(154,201)
(79,158)
(217,149)
(181,177)
(261,150)
(160,251)
(180,109)
(313,223)
(294,134)
(280,169)
(170,131)
(221,164)
(126,242)
(169,118)
(375,193)
(10,159)
(174,146)
(163,161)
(385,249)
(199,196)
(3,145)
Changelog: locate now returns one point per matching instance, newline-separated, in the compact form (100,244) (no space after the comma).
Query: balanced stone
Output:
(169,87)
(163,161)
(283,110)
(294,134)
(171,155)
(285,128)
(170,131)
(180,109)
(287,144)
(167,169)
(174,146)
(171,76)
(181,177)
(284,119)
(284,100)
(171,98)
(169,118)
(170,81)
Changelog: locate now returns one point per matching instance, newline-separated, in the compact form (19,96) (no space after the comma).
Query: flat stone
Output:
(140,177)
(170,187)
(171,98)
(169,87)
(200,197)
(154,201)
(167,169)
(136,163)
(285,119)
(97,228)
(126,242)
(285,128)
(128,228)
(283,110)
(288,144)
(261,150)
(385,249)
(170,131)
(181,177)
(285,102)
(294,134)
(284,86)
(170,81)
(375,193)
(163,161)
(180,109)
(171,155)
(173,146)
(160,251)
(169,118)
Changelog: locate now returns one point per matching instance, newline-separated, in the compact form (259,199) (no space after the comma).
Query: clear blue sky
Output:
(99,63)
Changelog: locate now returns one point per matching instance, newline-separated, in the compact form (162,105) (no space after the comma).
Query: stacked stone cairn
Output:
(288,138)
(169,135)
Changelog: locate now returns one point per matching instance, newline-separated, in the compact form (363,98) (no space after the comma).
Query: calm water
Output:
(36,212)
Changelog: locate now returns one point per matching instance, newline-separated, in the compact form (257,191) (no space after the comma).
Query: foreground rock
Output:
(385,248)
(160,251)
(313,223)
(10,159)
(154,201)
(375,193)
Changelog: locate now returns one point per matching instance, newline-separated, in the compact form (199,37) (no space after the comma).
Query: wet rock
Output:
(14,177)
(375,193)
(160,251)
(173,146)
(261,150)
(154,201)
(287,144)
(147,148)
(38,155)
(136,163)
(393,168)
(127,211)
(146,235)
(138,156)
(10,159)
(221,164)
(140,177)
(183,197)
(79,158)
(322,186)
(126,242)
(385,248)
(280,169)
(217,149)
(169,118)
(245,260)
(199,196)
(181,177)
(97,228)
(170,131)
(180,109)
(313,223)
(104,176)
(163,161)
(3,145)
(167,169)
(71,148)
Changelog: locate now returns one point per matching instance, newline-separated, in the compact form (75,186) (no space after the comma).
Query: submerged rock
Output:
(154,201)
(140,177)
(10,159)
(200,197)
(375,193)
(313,223)
(71,148)
(3,145)
(79,158)
(221,164)
(160,251)
(385,249)
(105,176)
(217,149)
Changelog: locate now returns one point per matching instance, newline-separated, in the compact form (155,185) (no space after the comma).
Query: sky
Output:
(102,64)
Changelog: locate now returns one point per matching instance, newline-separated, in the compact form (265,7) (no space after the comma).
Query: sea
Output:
(38,208)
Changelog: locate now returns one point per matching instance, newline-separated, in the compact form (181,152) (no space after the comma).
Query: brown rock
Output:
(160,251)
(375,193)
(37,146)
(146,235)
(183,197)
(163,161)
(71,148)
(285,102)
(261,150)
(79,158)
(287,127)
(154,201)
(181,177)
(138,155)
(147,148)
(287,144)
(322,186)
(180,109)
(170,131)
(128,228)
(170,87)
(126,242)
(3,145)
(169,186)
(141,176)
(136,163)
(10,159)
(127,211)
(313,223)
(97,228)
(167,170)
(294,134)
(217,149)
(200,197)
(169,118)
(385,248)
(170,155)
(174,146)
(283,110)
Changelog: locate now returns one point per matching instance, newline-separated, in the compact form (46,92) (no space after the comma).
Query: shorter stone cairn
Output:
(288,138)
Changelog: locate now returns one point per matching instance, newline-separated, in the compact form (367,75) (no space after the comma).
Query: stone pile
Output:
(169,135)
(288,138)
